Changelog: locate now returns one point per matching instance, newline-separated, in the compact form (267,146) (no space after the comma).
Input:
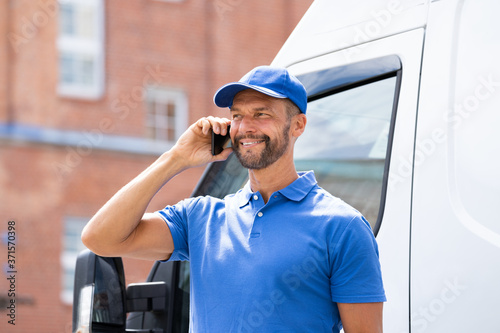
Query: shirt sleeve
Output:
(356,275)
(176,219)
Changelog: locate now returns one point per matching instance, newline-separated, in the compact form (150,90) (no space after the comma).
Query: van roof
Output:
(330,26)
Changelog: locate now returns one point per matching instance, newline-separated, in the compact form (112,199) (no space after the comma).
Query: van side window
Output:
(347,142)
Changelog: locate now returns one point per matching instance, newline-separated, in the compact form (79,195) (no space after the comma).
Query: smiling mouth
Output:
(251,143)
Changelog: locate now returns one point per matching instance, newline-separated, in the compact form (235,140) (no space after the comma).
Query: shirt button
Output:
(256,197)
(260,214)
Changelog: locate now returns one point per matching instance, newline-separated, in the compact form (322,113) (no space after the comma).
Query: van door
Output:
(455,282)
(359,140)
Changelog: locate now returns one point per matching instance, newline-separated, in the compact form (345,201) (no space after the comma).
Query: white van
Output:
(404,100)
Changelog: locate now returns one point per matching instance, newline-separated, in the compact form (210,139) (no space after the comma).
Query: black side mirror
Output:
(99,294)
(101,302)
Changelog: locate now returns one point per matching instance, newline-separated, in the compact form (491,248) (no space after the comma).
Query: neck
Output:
(273,178)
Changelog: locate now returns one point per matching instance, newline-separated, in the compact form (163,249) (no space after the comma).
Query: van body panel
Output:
(330,26)
(455,232)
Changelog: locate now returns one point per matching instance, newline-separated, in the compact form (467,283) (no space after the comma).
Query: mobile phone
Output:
(219,142)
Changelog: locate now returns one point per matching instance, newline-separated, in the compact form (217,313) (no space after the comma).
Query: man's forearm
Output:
(114,223)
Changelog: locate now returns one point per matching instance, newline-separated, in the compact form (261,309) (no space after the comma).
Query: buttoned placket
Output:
(258,204)
(259,217)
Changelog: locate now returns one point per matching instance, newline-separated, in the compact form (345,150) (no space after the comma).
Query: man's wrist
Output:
(173,162)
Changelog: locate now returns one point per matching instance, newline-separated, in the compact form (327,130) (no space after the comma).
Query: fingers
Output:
(216,124)
(193,148)
(223,155)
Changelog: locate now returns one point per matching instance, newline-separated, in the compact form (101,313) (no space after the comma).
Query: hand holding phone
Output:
(219,142)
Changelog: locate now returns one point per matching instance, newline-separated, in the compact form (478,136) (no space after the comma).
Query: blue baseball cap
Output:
(272,81)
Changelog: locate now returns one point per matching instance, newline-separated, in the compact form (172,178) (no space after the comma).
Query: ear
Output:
(298,124)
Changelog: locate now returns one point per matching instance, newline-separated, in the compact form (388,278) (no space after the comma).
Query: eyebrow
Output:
(261,108)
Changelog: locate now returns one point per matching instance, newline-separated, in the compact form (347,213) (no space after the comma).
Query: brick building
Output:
(91,92)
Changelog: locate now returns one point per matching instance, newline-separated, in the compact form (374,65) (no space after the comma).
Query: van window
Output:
(346,143)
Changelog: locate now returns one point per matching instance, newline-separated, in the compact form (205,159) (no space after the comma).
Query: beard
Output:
(273,150)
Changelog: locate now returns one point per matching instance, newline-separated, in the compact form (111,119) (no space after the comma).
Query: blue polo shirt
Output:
(275,267)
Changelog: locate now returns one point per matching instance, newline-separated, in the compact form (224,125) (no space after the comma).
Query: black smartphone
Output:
(219,142)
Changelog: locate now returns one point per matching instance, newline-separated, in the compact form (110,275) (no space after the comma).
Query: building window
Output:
(72,246)
(81,48)
(166,114)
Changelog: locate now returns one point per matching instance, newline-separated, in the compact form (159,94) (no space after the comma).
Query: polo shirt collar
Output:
(296,191)
(244,195)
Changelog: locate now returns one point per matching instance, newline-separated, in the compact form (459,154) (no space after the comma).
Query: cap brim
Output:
(225,95)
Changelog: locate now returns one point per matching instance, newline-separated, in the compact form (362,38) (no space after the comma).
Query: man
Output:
(281,254)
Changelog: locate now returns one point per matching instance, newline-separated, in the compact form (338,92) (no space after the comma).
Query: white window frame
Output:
(164,95)
(69,256)
(93,48)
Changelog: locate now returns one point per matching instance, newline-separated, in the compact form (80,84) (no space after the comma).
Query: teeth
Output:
(249,143)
